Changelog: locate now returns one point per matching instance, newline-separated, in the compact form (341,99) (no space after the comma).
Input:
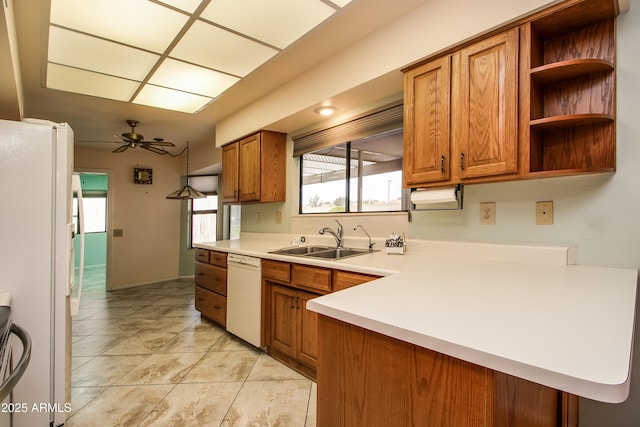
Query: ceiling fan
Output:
(133,140)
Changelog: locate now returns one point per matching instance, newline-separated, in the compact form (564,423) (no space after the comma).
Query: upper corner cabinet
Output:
(461,114)
(572,90)
(254,169)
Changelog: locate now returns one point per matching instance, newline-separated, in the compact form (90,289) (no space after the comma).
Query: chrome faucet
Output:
(336,234)
(365,232)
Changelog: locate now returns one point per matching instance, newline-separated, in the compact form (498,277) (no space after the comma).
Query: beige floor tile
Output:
(229,342)
(222,367)
(94,345)
(194,405)
(119,406)
(192,341)
(80,396)
(142,343)
(104,370)
(161,369)
(270,403)
(267,368)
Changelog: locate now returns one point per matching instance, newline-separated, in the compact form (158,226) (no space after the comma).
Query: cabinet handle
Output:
(442,163)
(462,160)
(217,307)
(293,302)
(297,303)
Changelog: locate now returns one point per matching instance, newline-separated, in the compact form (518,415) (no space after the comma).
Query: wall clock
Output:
(142,176)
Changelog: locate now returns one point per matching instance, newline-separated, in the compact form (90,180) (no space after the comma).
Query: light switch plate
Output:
(544,213)
(487,213)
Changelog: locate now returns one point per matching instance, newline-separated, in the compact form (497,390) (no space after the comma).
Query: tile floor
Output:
(143,357)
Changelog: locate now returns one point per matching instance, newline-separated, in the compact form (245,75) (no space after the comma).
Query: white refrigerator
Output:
(36,262)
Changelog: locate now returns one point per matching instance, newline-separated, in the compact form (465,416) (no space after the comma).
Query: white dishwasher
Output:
(244,297)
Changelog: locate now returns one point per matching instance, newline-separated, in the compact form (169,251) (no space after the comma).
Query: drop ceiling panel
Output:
(221,50)
(191,78)
(160,97)
(136,23)
(276,22)
(90,53)
(189,6)
(88,83)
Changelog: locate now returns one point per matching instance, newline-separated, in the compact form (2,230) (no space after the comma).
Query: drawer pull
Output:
(217,307)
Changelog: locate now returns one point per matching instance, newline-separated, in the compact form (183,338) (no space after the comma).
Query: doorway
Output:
(95,193)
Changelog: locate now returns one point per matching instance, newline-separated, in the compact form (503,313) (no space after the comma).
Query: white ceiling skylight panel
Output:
(157,53)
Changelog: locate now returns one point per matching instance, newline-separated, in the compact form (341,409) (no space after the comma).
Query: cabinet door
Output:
(249,171)
(485,109)
(230,158)
(307,331)
(283,320)
(426,128)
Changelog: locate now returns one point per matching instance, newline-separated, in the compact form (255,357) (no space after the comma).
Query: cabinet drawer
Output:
(218,258)
(202,255)
(211,277)
(276,270)
(212,305)
(315,278)
(345,279)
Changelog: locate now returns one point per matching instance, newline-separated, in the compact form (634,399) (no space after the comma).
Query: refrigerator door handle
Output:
(75,299)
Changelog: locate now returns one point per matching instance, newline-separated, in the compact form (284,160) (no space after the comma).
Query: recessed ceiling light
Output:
(326,110)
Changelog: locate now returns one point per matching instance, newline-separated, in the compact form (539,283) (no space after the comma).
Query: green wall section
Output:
(95,252)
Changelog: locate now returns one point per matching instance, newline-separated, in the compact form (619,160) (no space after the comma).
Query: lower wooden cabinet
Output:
(294,332)
(212,305)
(211,285)
(369,379)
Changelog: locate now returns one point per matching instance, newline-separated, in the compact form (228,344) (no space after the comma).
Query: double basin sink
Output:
(326,252)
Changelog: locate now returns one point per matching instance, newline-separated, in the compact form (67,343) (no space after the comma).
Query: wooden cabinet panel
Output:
(283,320)
(254,169)
(230,163)
(307,332)
(314,278)
(211,277)
(276,270)
(485,109)
(426,127)
(202,255)
(365,378)
(249,170)
(218,258)
(212,305)
(346,279)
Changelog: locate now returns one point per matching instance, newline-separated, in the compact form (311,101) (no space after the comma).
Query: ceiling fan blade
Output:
(121,148)
(153,149)
(161,143)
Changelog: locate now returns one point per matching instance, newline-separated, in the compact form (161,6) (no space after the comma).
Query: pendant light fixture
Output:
(186,192)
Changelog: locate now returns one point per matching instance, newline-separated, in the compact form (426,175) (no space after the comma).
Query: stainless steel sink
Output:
(300,250)
(326,252)
(339,253)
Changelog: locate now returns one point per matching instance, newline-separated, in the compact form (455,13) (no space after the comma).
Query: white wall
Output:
(149,249)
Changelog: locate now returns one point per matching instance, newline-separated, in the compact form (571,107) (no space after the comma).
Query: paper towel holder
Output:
(456,202)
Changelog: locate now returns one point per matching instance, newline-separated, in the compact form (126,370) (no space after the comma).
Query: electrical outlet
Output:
(488,213)
(544,213)
(278,217)
(118,232)
(258,217)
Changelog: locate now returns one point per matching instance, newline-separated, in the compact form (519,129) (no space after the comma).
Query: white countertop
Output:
(522,310)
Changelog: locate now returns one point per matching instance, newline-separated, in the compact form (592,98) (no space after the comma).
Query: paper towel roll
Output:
(5,299)
(434,195)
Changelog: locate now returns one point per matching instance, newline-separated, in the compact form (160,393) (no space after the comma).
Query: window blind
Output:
(372,123)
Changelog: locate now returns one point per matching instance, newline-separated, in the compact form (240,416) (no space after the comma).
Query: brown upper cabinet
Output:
(534,99)
(254,169)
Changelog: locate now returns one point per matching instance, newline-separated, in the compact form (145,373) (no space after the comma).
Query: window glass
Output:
(374,176)
(95,214)
(204,215)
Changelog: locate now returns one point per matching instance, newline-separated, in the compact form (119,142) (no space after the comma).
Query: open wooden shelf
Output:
(556,122)
(569,69)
